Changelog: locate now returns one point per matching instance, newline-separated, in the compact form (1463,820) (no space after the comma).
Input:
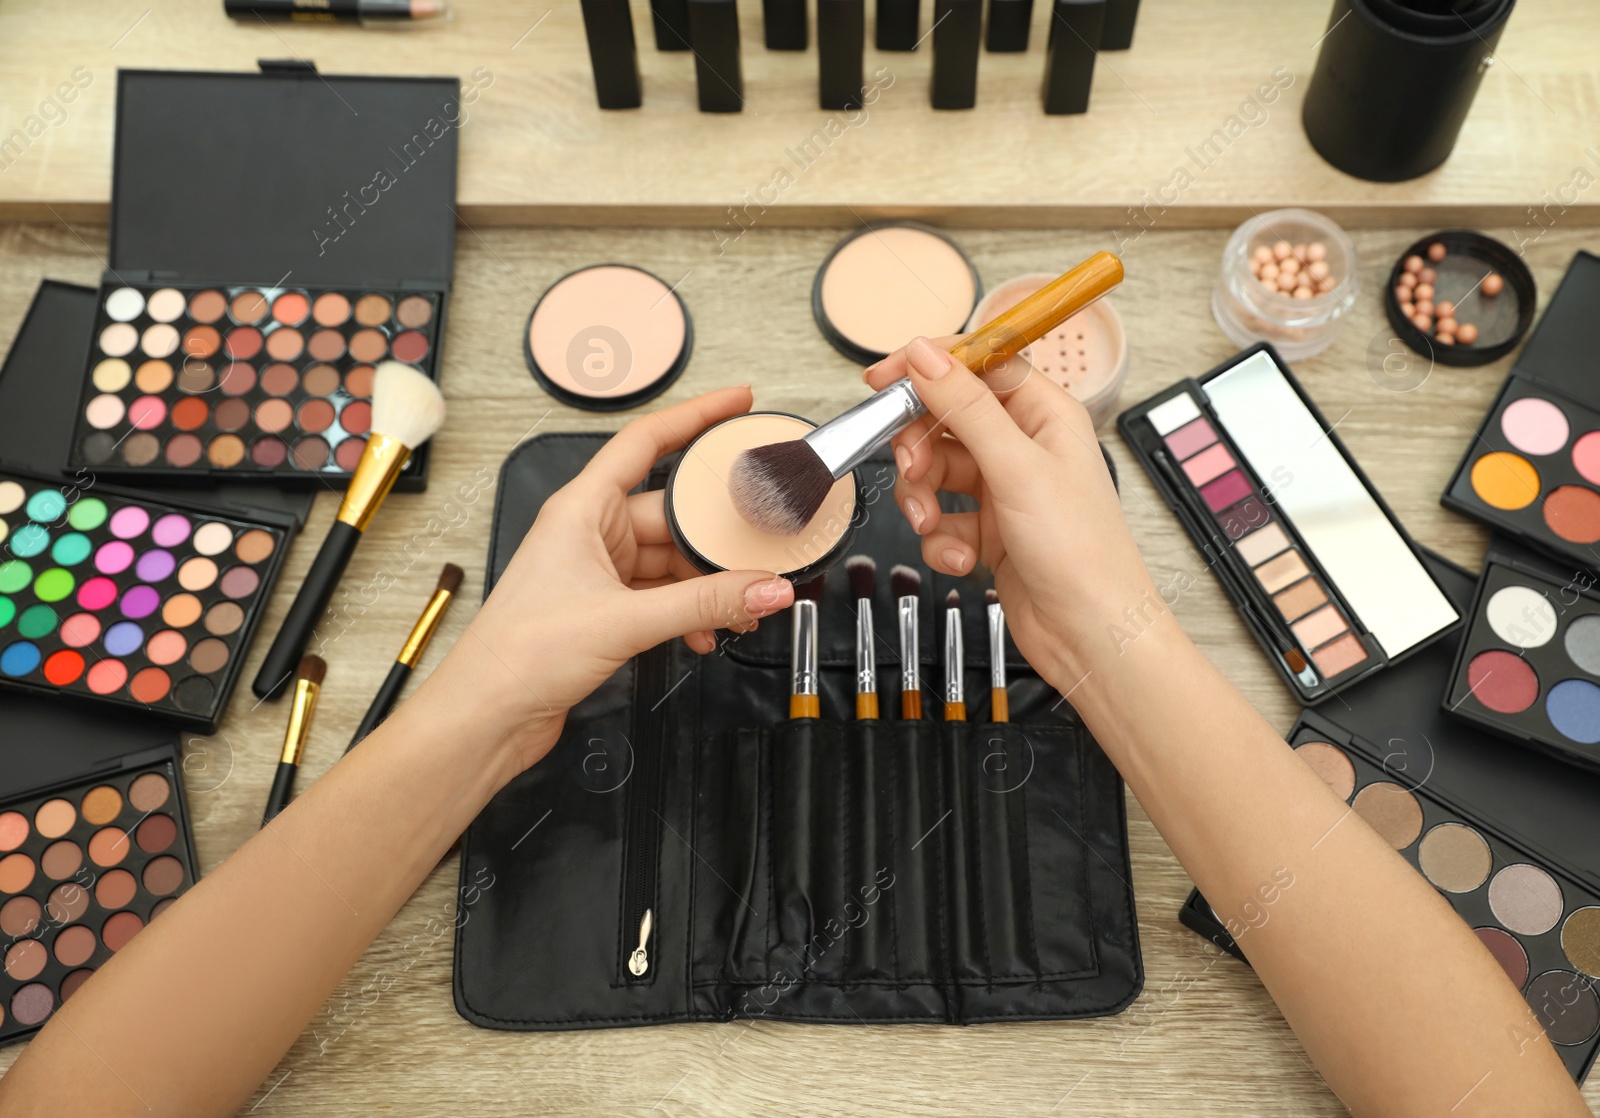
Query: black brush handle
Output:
(382,703)
(277,670)
(282,790)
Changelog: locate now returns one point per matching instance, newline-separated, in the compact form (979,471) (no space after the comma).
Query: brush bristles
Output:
(779,487)
(991,597)
(952,600)
(450,578)
(905,582)
(312,669)
(810,591)
(863,573)
(406,405)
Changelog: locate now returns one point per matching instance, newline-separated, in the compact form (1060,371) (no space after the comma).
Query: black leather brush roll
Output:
(803,869)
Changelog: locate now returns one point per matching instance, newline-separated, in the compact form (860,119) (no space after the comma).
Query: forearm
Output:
(1393,997)
(241,964)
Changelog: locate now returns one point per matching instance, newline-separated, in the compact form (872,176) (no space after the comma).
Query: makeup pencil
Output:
(999,702)
(805,700)
(957,34)
(387,12)
(841,34)
(608,25)
(407,408)
(714,33)
(417,643)
(906,585)
(307,684)
(784,24)
(863,573)
(1008,25)
(896,26)
(1069,58)
(955,661)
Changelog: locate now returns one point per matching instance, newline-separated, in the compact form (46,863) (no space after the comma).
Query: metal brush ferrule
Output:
(803,649)
(844,443)
(997,647)
(866,653)
(909,644)
(955,658)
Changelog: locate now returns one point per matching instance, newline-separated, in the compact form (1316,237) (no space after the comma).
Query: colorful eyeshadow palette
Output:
(1541,924)
(241,381)
(83,868)
(1322,572)
(109,596)
(1533,469)
(1529,667)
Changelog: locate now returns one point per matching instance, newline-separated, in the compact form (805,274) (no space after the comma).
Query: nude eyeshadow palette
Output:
(112,597)
(246,302)
(1532,470)
(244,381)
(84,866)
(1318,566)
(1529,665)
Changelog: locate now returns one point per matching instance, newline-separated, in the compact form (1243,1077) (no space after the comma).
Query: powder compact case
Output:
(273,237)
(1322,572)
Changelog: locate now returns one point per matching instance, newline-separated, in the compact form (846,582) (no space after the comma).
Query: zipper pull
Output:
(639,961)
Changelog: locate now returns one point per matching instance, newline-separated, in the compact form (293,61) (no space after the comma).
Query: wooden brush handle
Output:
(1039,313)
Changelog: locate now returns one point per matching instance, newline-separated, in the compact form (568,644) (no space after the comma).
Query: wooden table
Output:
(1203,1039)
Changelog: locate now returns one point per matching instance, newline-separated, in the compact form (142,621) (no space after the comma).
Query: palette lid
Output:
(44,742)
(286,178)
(1560,351)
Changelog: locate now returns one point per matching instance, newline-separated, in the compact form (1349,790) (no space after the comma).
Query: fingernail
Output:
(902,458)
(915,514)
(767,596)
(866,374)
(955,559)
(927,358)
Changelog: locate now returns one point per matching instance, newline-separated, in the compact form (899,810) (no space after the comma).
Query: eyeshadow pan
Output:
(19,916)
(372,310)
(120,929)
(1455,858)
(55,818)
(1227,490)
(285,343)
(1502,682)
(236,379)
(1339,656)
(25,959)
(1573,513)
(1521,616)
(74,945)
(166,305)
(1525,899)
(323,380)
(118,339)
(13,830)
(1209,465)
(1505,481)
(61,859)
(413,311)
(1586,457)
(196,376)
(279,379)
(16,873)
(1392,811)
(1245,517)
(1507,952)
(1573,707)
(160,340)
(115,889)
(1582,642)
(1331,764)
(148,792)
(1566,1005)
(248,307)
(112,375)
(197,573)
(108,847)
(223,619)
(1534,426)
(32,1003)
(368,345)
(1191,438)
(1300,599)
(1580,940)
(291,308)
(163,875)
(331,309)
(1286,569)
(1320,627)
(1262,544)
(67,903)
(124,304)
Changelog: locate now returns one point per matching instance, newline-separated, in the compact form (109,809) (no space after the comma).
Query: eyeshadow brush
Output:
(863,573)
(307,685)
(906,585)
(410,653)
(805,700)
(1226,570)
(407,408)
(999,701)
(955,661)
(779,487)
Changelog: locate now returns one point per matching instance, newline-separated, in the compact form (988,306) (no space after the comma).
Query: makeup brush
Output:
(411,652)
(307,684)
(779,487)
(999,703)
(407,408)
(805,701)
(863,573)
(955,661)
(906,584)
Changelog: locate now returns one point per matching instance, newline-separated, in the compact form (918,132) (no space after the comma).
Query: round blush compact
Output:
(710,531)
(1460,297)
(608,337)
(886,284)
(1087,354)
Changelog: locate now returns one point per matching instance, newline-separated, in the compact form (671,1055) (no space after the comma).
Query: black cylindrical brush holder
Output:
(1392,85)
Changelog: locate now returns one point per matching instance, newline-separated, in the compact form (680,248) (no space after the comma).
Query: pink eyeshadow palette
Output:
(113,598)
(84,867)
(1318,567)
(241,381)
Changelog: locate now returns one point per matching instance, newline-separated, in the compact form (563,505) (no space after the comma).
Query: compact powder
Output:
(607,337)
(710,530)
(887,284)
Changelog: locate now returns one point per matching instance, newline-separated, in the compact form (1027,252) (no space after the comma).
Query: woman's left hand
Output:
(595,582)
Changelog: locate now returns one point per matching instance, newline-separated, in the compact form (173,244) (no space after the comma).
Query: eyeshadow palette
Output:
(113,597)
(1319,568)
(1532,470)
(243,381)
(84,867)
(1529,665)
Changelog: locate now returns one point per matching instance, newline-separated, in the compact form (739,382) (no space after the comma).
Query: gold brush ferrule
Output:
(376,473)
(422,631)
(294,738)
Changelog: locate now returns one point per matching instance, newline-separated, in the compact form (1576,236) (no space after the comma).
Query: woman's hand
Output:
(1049,525)
(597,581)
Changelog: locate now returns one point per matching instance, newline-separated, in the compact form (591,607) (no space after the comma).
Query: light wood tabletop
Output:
(536,148)
(1204,1038)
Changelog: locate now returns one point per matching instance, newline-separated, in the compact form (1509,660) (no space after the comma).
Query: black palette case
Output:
(810,870)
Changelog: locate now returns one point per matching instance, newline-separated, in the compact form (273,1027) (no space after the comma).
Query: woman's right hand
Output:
(1049,524)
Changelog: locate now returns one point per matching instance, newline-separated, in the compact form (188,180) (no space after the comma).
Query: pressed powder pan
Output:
(608,337)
